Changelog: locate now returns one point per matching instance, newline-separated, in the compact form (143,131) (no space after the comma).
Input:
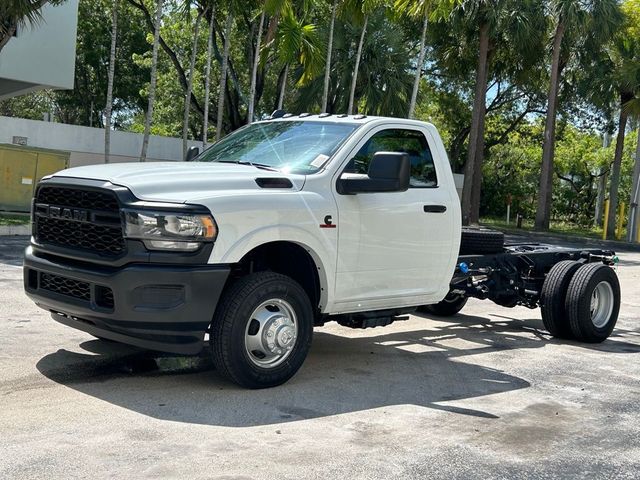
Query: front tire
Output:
(261,331)
(593,303)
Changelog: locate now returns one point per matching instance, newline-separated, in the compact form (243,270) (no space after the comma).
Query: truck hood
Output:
(180,181)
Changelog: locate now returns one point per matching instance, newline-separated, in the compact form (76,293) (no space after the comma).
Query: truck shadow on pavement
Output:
(423,367)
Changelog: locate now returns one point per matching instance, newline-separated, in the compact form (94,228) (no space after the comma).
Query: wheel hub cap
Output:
(601,307)
(271,333)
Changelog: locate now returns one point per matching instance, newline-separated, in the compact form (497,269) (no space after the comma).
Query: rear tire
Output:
(261,331)
(476,240)
(553,296)
(593,302)
(448,307)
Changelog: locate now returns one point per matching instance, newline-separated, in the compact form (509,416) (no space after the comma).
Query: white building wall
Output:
(43,56)
(87,144)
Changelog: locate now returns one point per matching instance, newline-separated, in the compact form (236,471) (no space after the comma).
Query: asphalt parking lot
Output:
(484,394)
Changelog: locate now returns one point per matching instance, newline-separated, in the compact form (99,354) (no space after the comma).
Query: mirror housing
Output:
(192,153)
(388,172)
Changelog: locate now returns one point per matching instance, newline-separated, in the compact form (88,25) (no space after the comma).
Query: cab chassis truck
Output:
(281,226)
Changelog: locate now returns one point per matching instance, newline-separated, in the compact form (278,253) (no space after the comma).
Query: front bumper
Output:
(156,306)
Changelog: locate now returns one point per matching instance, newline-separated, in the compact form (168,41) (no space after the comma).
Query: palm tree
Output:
(473,167)
(595,19)
(499,23)
(359,10)
(207,79)
(20,13)
(327,70)
(223,73)
(634,201)
(112,63)
(254,69)
(617,163)
(384,81)
(297,42)
(625,54)
(192,67)
(152,82)
(424,9)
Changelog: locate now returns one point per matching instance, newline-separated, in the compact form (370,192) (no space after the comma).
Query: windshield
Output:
(289,146)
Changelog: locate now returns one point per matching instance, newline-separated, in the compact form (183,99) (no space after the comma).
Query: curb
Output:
(604,244)
(10,230)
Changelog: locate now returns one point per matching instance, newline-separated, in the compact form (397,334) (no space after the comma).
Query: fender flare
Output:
(289,233)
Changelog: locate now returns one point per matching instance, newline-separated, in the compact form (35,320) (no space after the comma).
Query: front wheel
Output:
(450,305)
(261,331)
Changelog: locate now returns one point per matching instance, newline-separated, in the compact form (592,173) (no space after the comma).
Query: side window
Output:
(412,142)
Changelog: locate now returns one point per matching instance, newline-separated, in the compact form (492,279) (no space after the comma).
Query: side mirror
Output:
(192,153)
(388,172)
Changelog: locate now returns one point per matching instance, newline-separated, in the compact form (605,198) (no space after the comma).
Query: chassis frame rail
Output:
(515,276)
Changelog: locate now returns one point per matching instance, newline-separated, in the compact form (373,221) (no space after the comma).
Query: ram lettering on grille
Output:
(67,217)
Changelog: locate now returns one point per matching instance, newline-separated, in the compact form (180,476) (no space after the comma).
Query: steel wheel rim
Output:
(271,333)
(602,300)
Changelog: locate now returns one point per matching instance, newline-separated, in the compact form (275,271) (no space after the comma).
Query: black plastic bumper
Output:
(159,307)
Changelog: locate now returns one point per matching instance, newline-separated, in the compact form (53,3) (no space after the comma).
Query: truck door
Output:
(393,247)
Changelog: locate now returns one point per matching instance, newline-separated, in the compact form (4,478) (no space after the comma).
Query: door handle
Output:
(435,208)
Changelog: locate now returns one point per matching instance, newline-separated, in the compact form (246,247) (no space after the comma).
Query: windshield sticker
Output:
(319,161)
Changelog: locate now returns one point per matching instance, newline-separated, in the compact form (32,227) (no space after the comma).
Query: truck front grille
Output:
(78,219)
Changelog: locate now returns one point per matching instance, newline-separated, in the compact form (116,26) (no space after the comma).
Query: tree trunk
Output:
(254,71)
(416,81)
(327,68)
(615,172)
(152,83)
(223,75)
(543,212)
(354,79)
(283,87)
(632,224)
(473,168)
(602,187)
(173,57)
(187,97)
(207,83)
(112,63)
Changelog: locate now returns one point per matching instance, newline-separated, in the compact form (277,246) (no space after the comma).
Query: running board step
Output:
(363,321)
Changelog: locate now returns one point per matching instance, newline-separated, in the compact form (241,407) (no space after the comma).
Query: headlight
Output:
(169,231)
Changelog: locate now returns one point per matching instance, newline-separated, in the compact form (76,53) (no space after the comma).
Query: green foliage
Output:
(580,159)
(600,59)
(12,220)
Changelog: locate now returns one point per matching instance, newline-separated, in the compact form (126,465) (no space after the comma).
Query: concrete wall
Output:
(43,56)
(87,144)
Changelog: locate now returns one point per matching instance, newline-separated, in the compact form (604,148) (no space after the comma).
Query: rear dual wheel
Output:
(593,303)
(580,301)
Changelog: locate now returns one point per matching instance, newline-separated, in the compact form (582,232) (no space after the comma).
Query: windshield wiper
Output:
(252,164)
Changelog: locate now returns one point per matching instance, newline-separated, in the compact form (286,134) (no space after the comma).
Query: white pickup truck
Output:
(281,226)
